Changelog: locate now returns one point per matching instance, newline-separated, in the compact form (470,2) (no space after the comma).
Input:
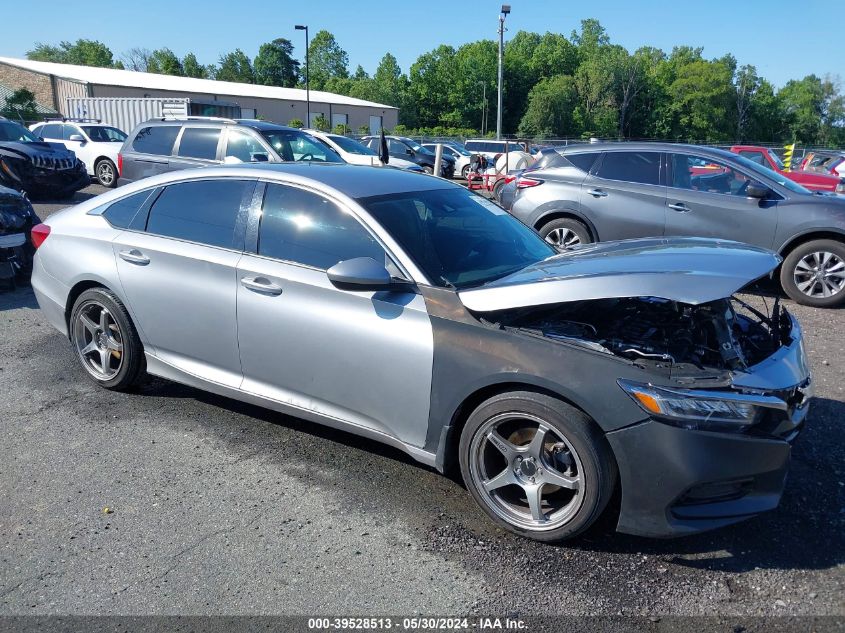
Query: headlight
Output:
(700,409)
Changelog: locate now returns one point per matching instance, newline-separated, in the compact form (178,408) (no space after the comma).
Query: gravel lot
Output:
(218,507)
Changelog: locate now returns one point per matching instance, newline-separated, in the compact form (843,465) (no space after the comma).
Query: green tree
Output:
(193,68)
(322,123)
(431,78)
(164,62)
(275,66)
(596,113)
(703,95)
(83,53)
(21,106)
(236,67)
(326,60)
(136,59)
(551,104)
(296,123)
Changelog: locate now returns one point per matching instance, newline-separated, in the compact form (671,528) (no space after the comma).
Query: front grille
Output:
(51,163)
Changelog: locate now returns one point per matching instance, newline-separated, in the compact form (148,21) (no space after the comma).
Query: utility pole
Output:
(506,9)
(304,27)
(483,105)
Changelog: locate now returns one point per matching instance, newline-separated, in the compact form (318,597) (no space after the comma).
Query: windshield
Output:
(11,131)
(104,134)
(416,146)
(457,238)
(770,174)
(293,145)
(351,145)
(775,159)
(462,151)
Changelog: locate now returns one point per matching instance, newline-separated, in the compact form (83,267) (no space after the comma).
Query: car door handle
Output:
(261,285)
(680,207)
(134,257)
(597,193)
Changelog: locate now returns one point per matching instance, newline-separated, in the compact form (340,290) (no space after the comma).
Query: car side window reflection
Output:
(305,228)
(698,173)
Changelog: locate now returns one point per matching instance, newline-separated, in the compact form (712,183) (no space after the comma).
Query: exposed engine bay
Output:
(727,334)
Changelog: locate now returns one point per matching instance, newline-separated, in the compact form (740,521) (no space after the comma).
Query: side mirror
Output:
(259,157)
(409,152)
(78,138)
(361,274)
(757,190)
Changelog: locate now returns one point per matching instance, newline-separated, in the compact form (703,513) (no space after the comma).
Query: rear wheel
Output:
(565,232)
(536,465)
(105,340)
(813,274)
(106,173)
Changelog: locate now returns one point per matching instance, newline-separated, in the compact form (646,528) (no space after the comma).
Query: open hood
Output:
(688,270)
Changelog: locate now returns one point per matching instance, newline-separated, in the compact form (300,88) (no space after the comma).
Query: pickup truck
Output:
(811,180)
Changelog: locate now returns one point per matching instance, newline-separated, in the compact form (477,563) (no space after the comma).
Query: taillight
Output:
(39,234)
(524,183)
(119,164)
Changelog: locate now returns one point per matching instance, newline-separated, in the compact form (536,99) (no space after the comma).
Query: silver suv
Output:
(616,191)
(159,146)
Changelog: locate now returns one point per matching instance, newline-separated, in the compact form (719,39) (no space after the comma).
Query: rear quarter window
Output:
(157,140)
(121,212)
(584,162)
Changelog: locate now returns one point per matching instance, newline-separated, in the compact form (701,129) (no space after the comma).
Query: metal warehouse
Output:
(65,86)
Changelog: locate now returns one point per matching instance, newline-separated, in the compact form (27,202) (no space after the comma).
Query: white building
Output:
(53,84)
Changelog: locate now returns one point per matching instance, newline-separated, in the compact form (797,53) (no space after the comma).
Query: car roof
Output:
(250,123)
(353,181)
(644,147)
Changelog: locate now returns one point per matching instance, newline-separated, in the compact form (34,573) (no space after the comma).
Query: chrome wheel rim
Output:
(98,340)
(820,274)
(563,238)
(105,173)
(529,473)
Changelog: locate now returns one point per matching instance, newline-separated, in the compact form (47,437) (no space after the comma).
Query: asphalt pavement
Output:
(169,500)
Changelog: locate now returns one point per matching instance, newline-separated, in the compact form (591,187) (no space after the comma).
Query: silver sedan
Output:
(409,310)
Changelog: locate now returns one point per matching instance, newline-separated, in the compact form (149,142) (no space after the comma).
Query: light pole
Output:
(483,105)
(304,27)
(506,9)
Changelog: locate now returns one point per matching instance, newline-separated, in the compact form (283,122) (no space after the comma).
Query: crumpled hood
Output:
(54,151)
(688,270)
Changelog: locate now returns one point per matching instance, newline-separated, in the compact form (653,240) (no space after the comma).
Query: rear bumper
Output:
(677,481)
(51,295)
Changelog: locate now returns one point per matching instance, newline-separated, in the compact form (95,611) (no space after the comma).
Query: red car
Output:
(813,181)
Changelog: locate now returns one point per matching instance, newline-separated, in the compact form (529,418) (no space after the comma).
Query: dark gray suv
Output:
(159,146)
(615,191)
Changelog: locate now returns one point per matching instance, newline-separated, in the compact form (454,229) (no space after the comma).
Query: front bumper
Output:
(677,481)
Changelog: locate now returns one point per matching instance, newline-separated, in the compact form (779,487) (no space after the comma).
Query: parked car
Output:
(505,191)
(95,144)
(549,379)
(159,146)
(17,217)
(813,181)
(491,149)
(408,149)
(41,169)
(613,191)
(356,153)
(832,163)
(461,156)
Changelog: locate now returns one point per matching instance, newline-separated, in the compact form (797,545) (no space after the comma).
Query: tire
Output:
(428,169)
(107,345)
(108,178)
(565,232)
(497,189)
(572,452)
(813,274)
(465,172)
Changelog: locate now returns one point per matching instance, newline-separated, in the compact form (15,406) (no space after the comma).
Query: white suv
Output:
(95,144)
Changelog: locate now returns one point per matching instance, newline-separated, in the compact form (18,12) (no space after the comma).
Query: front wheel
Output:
(106,173)
(536,465)
(465,172)
(813,274)
(428,169)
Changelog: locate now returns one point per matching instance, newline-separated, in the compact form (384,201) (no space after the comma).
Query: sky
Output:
(784,39)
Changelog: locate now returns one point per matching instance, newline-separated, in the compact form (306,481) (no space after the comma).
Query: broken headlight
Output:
(700,409)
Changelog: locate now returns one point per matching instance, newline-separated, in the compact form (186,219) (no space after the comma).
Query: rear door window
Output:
(199,142)
(241,146)
(305,228)
(584,162)
(157,140)
(203,211)
(639,167)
